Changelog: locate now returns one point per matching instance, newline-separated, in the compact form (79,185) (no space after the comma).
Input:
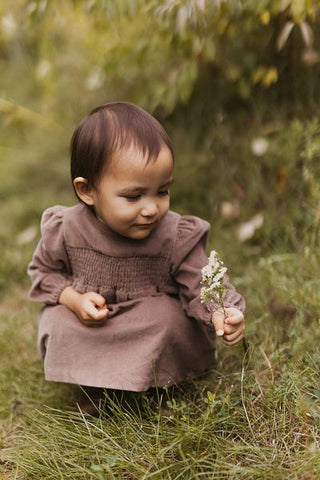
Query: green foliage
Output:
(289,176)
(154,53)
(223,169)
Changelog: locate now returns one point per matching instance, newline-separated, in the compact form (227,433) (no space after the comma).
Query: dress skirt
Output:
(145,342)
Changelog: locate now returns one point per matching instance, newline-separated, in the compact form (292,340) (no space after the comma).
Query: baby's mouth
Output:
(145,225)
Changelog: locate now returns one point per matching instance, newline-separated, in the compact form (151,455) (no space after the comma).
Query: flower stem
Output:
(245,345)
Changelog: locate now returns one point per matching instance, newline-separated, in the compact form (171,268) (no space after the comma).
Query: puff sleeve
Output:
(189,257)
(49,270)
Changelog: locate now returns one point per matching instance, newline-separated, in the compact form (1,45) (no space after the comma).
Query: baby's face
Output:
(133,196)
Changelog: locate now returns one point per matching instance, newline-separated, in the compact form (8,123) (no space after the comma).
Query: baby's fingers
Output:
(92,318)
(96,299)
(218,322)
(233,338)
(95,313)
(234,316)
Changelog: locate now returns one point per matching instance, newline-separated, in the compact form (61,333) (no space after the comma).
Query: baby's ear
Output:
(83,190)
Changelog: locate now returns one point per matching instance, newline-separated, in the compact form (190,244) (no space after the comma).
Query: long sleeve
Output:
(49,269)
(233,298)
(189,256)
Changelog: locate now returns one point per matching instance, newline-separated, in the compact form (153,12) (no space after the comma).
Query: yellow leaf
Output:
(265,17)
(270,77)
(284,4)
(298,10)
(258,74)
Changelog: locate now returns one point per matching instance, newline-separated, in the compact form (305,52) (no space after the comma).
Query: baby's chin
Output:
(140,232)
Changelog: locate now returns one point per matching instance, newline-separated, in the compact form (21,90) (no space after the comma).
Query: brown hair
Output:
(106,130)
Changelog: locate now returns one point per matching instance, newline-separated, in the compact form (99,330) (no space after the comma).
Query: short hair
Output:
(106,130)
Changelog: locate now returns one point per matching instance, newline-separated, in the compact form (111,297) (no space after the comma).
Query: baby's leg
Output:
(144,343)
(186,347)
(62,343)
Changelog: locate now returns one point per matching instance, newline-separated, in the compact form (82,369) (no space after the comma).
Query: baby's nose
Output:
(149,209)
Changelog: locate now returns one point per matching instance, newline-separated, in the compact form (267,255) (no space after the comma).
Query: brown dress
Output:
(158,333)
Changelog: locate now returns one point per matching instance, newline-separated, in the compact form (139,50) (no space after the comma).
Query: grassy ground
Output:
(250,418)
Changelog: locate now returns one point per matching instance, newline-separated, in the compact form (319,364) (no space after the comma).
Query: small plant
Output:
(213,289)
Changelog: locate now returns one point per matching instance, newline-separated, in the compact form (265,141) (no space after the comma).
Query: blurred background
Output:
(236,85)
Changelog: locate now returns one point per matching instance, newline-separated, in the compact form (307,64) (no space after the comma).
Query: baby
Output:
(121,261)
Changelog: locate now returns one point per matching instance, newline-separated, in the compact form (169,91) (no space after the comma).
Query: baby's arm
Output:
(189,257)
(51,274)
(229,325)
(90,307)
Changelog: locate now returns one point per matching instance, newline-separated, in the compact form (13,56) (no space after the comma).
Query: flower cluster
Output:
(213,289)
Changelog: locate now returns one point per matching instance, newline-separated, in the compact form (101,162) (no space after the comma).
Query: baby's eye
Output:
(132,198)
(163,193)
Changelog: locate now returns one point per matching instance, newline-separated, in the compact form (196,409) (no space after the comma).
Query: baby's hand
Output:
(229,326)
(90,307)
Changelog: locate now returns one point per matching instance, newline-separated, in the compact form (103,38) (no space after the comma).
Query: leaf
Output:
(298,10)
(265,17)
(210,50)
(182,20)
(19,112)
(211,397)
(284,35)
(307,34)
(270,77)
(284,5)
(258,74)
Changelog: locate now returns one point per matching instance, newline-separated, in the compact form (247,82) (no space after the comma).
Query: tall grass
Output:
(260,424)
(250,418)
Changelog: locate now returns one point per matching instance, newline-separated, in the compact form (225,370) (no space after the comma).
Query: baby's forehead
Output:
(133,166)
(131,148)
(133,153)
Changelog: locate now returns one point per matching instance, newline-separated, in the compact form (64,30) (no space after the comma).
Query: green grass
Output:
(257,419)
(253,418)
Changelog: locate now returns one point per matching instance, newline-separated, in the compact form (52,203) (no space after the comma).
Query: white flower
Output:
(213,289)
